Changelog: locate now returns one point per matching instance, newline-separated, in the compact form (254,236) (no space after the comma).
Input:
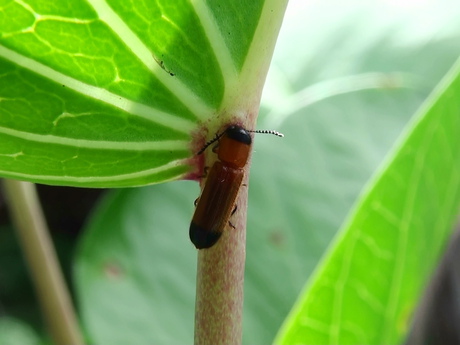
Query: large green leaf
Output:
(366,289)
(114,93)
(333,146)
(132,276)
(301,187)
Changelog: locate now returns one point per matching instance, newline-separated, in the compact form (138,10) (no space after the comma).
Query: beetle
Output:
(217,201)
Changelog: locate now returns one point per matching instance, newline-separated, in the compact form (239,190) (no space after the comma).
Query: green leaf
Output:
(366,289)
(115,93)
(15,332)
(136,268)
(337,132)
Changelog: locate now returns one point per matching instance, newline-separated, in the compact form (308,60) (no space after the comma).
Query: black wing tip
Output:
(202,238)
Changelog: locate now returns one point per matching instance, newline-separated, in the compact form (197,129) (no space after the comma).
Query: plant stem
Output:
(220,277)
(43,264)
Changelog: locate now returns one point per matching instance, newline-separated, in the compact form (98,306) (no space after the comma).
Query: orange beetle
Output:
(217,200)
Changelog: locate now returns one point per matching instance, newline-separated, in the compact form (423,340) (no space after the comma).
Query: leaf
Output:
(368,285)
(337,132)
(115,93)
(135,281)
(14,332)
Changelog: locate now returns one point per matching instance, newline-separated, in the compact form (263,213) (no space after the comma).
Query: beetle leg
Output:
(205,172)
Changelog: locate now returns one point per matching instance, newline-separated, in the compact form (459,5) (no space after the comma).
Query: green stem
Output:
(42,261)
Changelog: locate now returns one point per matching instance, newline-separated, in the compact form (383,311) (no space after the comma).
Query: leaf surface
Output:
(367,287)
(115,93)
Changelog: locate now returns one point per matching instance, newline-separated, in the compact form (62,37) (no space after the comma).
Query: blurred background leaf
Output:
(366,289)
(15,332)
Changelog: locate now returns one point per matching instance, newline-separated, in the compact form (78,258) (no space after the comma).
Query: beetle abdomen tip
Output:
(203,238)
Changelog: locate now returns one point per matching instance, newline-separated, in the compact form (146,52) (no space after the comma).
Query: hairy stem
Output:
(43,264)
(220,277)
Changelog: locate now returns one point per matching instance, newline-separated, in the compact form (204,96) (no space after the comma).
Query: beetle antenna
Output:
(218,136)
(210,142)
(267,131)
